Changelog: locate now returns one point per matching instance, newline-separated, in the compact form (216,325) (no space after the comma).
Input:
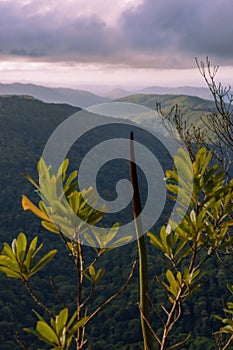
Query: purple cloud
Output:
(164,33)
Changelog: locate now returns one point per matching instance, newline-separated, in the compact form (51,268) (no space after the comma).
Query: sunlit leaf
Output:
(92,272)
(21,244)
(47,333)
(50,226)
(12,264)
(10,273)
(43,261)
(155,241)
(61,321)
(28,205)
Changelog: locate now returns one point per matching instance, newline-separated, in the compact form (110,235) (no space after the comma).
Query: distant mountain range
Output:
(159,90)
(84,99)
(182,90)
(77,98)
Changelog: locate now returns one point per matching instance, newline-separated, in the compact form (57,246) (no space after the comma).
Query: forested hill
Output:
(191,107)
(167,101)
(25,125)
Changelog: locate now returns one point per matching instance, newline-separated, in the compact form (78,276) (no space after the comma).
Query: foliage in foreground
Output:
(203,232)
(67,327)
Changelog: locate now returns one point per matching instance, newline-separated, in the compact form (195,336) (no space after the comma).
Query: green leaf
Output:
(206,163)
(209,174)
(61,320)
(40,318)
(63,209)
(195,289)
(200,157)
(9,272)
(230,288)
(156,242)
(75,200)
(71,177)
(230,305)
(71,189)
(21,245)
(44,176)
(99,274)
(29,257)
(37,251)
(32,181)
(184,170)
(92,272)
(72,331)
(32,331)
(227,321)
(73,318)
(49,226)
(90,241)
(173,188)
(173,283)
(184,253)
(163,236)
(182,243)
(47,333)
(120,241)
(9,263)
(43,262)
(63,168)
(7,251)
(227,329)
(77,325)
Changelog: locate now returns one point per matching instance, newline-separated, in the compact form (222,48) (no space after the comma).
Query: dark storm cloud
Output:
(182,28)
(163,33)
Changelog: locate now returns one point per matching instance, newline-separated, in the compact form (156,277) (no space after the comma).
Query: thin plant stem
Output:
(143,272)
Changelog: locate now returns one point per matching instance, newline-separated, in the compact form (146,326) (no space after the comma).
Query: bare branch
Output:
(180,343)
(228,343)
(114,296)
(149,326)
(57,293)
(20,341)
(35,298)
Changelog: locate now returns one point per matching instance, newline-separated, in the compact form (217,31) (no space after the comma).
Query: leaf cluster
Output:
(18,260)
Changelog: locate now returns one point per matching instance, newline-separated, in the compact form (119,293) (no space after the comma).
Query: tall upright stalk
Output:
(142,254)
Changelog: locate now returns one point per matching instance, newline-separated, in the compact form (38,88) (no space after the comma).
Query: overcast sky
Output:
(120,42)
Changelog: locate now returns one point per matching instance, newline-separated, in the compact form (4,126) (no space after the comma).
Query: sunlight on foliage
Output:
(60,332)
(62,207)
(17,261)
(205,230)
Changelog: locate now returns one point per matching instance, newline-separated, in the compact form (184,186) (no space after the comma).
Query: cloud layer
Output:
(153,34)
